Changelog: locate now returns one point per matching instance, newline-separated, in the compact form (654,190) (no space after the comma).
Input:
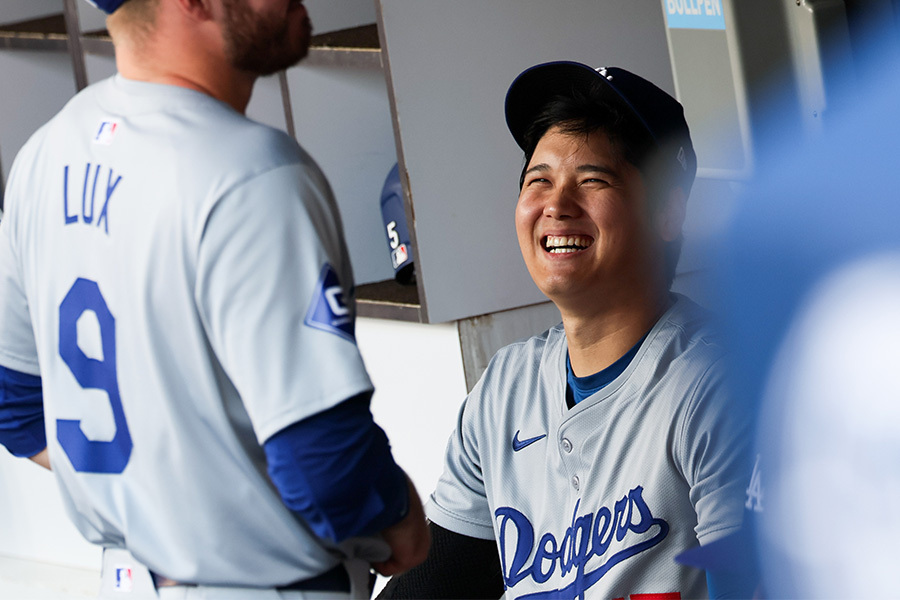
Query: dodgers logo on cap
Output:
(329,310)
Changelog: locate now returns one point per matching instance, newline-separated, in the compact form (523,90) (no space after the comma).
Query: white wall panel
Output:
(99,67)
(419,386)
(331,15)
(43,84)
(13,11)
(90,18)
(343,119)
(266,104)
(33,522)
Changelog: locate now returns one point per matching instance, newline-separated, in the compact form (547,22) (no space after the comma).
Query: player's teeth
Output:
(555,241)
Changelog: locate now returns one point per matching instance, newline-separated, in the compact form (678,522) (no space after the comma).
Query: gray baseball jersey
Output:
(596,501)
(177,276)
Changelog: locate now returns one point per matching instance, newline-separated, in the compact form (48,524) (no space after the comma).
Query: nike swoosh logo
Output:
(520,444)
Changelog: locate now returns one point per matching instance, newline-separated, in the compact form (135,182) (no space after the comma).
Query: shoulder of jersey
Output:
(515,355)
(255,146)
(698,325)
(210,132)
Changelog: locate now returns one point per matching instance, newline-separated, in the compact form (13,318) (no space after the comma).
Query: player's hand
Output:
(409,539)
(42,458)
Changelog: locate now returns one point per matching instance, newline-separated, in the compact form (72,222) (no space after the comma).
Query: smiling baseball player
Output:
(588,457)
(177,324)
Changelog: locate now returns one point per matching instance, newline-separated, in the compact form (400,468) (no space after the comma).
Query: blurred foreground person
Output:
(811,273)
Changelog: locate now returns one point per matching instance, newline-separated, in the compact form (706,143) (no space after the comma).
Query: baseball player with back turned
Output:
(588,457)
(177,325)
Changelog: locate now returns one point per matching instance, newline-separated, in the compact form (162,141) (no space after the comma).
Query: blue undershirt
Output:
(335,469)
(21,413)
(579,388)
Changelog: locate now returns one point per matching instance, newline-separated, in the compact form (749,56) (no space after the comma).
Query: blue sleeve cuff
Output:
(336,470)
(21,413)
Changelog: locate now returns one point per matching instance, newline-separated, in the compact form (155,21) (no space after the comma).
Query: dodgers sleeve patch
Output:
(328,310)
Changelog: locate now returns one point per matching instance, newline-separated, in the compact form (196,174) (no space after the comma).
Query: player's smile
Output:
(566,244)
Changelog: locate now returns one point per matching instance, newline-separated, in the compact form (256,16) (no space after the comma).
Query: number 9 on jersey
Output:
(90,456)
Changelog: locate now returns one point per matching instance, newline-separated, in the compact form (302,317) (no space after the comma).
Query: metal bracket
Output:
(286,101)
(76,49)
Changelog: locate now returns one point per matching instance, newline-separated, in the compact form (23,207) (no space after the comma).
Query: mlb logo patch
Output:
(124,579)
(329,310)
(106,131)
(400,255)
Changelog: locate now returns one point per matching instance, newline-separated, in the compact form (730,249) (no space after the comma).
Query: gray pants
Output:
(124,578)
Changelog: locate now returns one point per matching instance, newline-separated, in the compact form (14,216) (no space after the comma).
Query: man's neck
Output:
(203,68)
(602,333)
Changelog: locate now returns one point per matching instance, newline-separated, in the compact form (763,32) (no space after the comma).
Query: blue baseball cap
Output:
(107,6)
(660,113)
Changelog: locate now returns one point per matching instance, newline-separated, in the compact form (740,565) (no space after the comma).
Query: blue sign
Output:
(694,14)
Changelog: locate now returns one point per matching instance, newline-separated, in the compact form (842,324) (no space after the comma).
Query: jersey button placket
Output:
(565,444)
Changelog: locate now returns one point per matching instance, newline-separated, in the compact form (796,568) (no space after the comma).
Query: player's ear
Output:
(197,10)
(671,214)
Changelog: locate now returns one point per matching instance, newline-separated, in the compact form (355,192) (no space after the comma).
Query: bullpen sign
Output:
(694,14)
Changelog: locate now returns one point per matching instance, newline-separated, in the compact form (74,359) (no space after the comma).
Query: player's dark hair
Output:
(583,112)
(580,113)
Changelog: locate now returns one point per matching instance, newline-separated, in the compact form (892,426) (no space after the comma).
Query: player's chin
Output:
(297,49)
(557,281)
(561,266)
(299,32)
(301,46)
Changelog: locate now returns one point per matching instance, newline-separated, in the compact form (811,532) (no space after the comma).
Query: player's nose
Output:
(561,203)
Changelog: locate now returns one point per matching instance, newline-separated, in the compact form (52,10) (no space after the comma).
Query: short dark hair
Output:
(585,111)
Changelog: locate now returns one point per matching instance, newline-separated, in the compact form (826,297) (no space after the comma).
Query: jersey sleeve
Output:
(17,346)
(713,454)
(459,502)
(274,293)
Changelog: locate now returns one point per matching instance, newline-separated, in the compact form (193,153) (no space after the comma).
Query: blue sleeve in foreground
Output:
(336,470)
(21,413)
(728,585)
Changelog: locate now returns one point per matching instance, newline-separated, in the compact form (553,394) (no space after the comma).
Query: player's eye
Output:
(538,180)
